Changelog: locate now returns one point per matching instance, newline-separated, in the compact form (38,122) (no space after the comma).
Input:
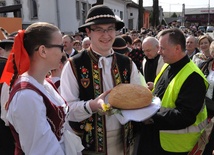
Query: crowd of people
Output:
(54,86)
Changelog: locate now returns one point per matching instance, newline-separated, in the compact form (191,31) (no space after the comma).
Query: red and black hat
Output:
(101,14)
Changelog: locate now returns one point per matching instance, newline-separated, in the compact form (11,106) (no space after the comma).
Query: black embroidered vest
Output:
(89,77)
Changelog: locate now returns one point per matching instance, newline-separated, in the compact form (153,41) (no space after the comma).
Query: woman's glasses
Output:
(53,45)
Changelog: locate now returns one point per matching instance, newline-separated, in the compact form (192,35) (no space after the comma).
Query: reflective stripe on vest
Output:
(181,140)
(190,129)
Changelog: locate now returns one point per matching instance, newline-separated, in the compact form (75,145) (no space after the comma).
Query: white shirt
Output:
(198,58)
(69,89)
(193,53)
(27,113)
(4,99)
(72,52)
(55,79)
(210,79)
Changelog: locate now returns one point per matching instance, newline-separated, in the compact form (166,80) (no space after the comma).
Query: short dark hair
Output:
(77,42)
(133,31)
(176,36)
(127,38)
(69,36)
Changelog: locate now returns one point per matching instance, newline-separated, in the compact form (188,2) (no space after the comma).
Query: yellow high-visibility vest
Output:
(181,140)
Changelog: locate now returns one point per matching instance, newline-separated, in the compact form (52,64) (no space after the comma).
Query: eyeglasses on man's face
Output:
(54,45)
(102,31)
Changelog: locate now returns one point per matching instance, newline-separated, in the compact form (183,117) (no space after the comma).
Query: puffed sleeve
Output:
(27,113)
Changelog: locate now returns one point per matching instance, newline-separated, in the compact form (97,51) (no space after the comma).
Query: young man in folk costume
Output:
(90,73)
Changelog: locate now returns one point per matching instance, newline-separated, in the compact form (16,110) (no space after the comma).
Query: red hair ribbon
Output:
(21,59)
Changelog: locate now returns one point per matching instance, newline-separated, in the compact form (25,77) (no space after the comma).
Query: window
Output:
(78,9)
(34,11)
(17,13)
(81,10)
(3,3)
(17,2)
(84,12)
(121,15)
(89,6)
(130,24)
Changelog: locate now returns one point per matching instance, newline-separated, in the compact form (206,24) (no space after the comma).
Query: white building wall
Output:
(9,2)
(133,14)
(46,12)
(189,11)
(68,22)
(116,6)
(120,5)
(67,10)
(62,13)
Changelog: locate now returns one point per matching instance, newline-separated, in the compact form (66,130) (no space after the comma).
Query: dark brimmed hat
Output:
(8,41)
(120,46)
(127,38)
(101,14)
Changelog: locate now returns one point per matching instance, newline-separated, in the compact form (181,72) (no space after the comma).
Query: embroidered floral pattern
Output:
(99,118)
(85,81)
(96,78)
(84,72)
(201,56)
(116,77)
(88,127)
(125,75)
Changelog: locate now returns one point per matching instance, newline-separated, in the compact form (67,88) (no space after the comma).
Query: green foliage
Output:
(174,15)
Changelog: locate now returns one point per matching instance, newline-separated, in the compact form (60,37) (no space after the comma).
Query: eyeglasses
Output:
(101,30)
(52,45)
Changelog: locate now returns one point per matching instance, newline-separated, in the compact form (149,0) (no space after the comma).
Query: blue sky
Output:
(176,6)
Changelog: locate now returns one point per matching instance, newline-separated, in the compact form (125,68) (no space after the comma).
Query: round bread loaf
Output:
(130,96)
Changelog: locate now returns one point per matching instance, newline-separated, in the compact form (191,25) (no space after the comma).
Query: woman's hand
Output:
(96,104)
